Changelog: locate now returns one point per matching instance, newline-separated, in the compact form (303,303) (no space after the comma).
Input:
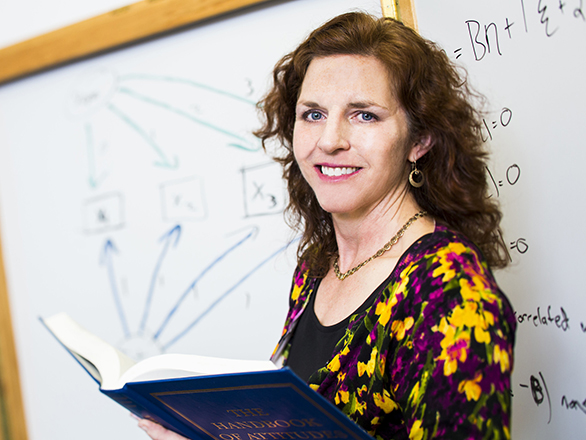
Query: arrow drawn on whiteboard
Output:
(188,82)
(174,309)
(94,180)
(164,161)
(225,295)
(171,236)
(107,260)
(243,144)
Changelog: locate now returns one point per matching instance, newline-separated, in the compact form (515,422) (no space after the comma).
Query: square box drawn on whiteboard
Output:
(264,191)
(103,213)
(183,200)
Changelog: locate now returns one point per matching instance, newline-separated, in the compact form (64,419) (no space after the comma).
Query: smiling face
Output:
(350,136)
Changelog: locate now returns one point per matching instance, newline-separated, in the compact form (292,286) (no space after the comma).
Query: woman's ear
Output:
(420,148)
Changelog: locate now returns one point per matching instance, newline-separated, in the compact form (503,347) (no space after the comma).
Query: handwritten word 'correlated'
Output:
(559,320)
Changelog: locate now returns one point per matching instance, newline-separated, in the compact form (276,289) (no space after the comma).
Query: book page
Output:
(169,366)
(94,354)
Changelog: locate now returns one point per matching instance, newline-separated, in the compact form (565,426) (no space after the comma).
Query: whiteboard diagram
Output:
(130,124)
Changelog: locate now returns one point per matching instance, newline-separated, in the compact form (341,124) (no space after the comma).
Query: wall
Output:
(24,19)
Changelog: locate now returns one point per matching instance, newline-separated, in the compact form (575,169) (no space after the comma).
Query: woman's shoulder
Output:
(446,248)
(445,270)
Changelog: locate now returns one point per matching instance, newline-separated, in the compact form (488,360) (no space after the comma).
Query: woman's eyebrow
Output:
(308,103)
(365,104)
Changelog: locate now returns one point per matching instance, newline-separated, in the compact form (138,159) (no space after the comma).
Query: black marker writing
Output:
(539,392)
(545,19)
(579,13)
(574,404)
(561,320)
(481,44)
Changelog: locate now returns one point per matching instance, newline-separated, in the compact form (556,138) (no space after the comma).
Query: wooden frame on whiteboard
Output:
(402,10)
(113,29)
(12,420)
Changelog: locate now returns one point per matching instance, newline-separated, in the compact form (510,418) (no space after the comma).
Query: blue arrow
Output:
(224,296)
(196,280)
(106,259)
(164,161)
(169,237)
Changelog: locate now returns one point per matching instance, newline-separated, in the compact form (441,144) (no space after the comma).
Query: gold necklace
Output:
(393,241)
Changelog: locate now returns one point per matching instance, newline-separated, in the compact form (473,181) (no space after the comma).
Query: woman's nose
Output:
(333,137)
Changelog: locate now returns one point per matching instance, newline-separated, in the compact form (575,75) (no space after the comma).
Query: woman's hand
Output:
(156,431)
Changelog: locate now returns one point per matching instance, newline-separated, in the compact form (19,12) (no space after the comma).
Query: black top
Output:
(312,343)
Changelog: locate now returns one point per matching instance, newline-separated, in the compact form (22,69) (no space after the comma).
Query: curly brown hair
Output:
(438,102)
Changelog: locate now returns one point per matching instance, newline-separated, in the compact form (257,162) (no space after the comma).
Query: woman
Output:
(394,315)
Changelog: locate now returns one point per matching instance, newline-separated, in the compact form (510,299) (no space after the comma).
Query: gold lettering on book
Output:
(247,412)
(300,435)
(258,424)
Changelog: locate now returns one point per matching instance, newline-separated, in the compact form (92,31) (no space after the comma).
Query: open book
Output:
(112,369)
(204,397)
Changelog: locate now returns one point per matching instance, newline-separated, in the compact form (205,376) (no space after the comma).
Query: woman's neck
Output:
(361,237)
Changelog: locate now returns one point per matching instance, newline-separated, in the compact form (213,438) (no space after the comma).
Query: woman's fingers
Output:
(157,432)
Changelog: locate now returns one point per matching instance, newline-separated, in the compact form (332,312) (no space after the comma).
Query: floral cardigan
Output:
(432,357)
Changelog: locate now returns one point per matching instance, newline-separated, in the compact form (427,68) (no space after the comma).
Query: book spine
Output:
(144,408)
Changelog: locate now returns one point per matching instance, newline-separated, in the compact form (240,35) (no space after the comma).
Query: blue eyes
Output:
(314,115)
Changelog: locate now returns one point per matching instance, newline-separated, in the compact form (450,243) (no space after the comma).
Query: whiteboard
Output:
(132,179)
(134,197)
(527,56)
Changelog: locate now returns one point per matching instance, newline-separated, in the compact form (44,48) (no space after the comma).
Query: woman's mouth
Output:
(337,171)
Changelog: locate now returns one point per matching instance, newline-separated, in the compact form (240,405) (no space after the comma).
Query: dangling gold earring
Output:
(416,177)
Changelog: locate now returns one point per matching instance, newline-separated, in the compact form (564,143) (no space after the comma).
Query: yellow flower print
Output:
(465,315)
(471,292)
(368,367)
(334,364)
(445,266)
(385,402)
(446,270)
(300,280)
(398,328)
(469,315)
(481,335)
(417,432)
(471,387)
(314,386)
(383,309)
(502,357)
(414,395)
(361,390)
(360,407)
(454,347)
(343,396)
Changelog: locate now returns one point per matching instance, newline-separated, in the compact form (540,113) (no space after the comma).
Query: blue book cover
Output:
(266,405)
(190,396)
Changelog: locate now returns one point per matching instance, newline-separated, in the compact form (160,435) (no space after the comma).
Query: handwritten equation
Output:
(538,391)
(546,16)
